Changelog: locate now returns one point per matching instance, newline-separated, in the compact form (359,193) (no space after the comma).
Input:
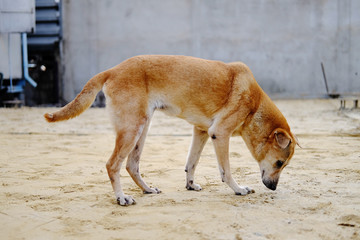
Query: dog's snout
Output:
(270,184)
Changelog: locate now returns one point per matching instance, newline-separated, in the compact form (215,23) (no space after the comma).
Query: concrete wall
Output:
(283,41)
(10,55)
(15,16)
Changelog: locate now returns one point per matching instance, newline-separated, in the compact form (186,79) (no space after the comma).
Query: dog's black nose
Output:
(270,184)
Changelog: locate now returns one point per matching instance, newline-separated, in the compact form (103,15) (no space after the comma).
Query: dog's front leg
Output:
(221,145)
(197,145)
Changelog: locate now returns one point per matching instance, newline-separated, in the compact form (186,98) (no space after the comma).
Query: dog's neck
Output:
(259,126)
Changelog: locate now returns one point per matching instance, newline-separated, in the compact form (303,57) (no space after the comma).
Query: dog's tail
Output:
(81,102)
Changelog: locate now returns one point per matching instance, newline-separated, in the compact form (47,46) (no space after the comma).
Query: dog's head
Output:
(280,148)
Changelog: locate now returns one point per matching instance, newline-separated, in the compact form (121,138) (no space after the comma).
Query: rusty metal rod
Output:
(326,85)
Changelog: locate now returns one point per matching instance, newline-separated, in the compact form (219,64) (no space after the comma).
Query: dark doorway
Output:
(44,51)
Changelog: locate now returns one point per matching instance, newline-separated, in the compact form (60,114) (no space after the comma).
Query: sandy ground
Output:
(54,183)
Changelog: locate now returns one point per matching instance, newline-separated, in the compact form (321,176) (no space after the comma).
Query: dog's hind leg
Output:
(132,165)
(125,142)
(198,142)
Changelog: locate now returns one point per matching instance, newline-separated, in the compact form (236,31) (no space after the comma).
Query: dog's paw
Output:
(193,186)
(244,191)
(125,200)
(152,191)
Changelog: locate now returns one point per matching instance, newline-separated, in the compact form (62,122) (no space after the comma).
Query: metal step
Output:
(46,3)
(48,25)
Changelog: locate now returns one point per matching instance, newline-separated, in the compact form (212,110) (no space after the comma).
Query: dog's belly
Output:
(190,114)
(200,121)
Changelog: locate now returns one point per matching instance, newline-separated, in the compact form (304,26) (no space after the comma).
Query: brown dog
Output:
(220,100)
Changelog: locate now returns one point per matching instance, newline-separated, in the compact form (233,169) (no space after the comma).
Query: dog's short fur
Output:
(220,100)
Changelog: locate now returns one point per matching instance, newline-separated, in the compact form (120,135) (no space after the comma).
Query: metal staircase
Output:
(48,25)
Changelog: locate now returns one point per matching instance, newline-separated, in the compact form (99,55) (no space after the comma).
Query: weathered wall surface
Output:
(16,16)
(283,42)
(10,52)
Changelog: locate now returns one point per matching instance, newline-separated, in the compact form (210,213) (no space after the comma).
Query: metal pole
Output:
(323,71)
(25,60)
(10,63)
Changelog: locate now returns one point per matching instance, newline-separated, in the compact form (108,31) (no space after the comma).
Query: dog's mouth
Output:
(269,175)
(270,184)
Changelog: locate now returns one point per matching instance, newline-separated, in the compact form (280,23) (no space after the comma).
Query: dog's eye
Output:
(279,163)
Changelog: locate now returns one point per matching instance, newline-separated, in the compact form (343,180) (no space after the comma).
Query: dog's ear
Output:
(283,139)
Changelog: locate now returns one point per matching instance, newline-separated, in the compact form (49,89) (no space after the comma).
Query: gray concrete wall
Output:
(283,41)
(16,16)
(10,52)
